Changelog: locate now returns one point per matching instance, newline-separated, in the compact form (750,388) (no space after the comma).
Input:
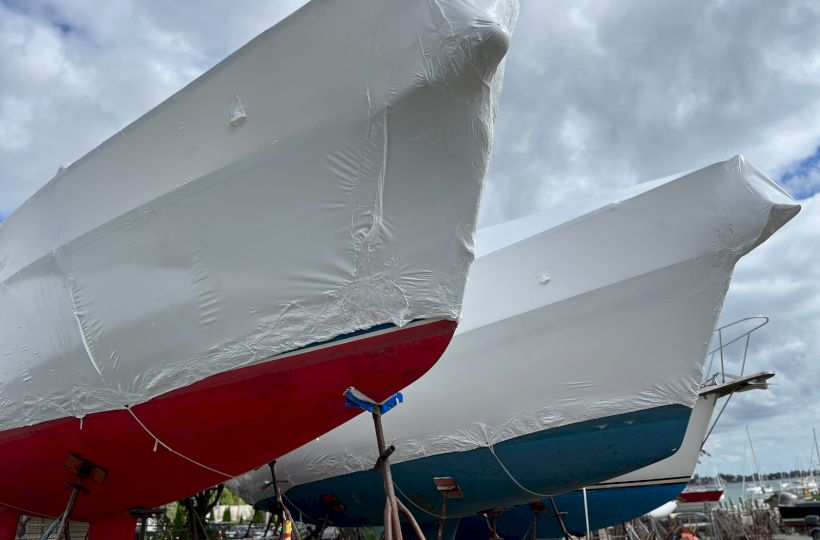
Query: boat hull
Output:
(628,496)
(190,439)
(604,313)
(795,515)
(321,182)
(607,507)
(581,450)
(701,496)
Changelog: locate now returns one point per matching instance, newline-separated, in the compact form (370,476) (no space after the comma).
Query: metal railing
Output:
(722,346)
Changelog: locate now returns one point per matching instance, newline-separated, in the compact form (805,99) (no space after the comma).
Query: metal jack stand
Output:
(538,508)
(142,515)
(334,506)
(559,516)
(285,519)
(447,486)
(490,517)
(83,469)
(392,506)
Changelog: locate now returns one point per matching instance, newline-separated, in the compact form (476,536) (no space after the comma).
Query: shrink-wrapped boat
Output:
(579,357)
(297,220)
(632,495)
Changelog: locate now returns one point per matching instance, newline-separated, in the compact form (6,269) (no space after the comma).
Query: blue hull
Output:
(552,461)
(607,507)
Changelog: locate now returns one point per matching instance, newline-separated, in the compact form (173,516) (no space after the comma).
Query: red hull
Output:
(231,422)
(701,496)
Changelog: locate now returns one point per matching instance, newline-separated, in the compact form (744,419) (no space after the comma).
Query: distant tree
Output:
(226,514)
(230,498)
(180,521)
(197,507)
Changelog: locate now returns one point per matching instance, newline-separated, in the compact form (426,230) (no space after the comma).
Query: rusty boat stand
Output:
(82,469)
(142,515)
(283,514)
(447,486)
(560,517)
(392,505)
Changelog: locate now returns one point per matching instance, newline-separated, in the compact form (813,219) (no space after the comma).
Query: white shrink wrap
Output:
(323,179)
(584,329)
(298,219)
(632,495)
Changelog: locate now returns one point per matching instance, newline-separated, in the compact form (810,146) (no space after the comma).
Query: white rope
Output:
(516,482)
(414,504)
(301,514)
(455,531)
(507,471)
(159,442)
(23,510)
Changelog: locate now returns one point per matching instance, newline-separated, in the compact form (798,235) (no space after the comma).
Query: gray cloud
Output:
(74,72)
(603,94)
(598,95)
(780,279)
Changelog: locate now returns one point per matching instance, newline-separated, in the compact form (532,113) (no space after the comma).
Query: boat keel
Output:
(113,528)
(8,524)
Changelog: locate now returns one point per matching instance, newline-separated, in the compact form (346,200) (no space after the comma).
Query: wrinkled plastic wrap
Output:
(321,180)
(680,466)
(604,307)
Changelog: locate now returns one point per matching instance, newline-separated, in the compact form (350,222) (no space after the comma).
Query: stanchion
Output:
(392,506)
(560,517)
(284,514)
(82,469)
(538,508)
(447,486)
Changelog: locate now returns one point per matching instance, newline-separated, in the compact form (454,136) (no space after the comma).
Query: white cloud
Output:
(73,73)
(780,279)
(597,95)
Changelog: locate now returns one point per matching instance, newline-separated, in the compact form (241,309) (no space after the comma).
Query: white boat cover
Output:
(680,466)
(601,308)
(321,180)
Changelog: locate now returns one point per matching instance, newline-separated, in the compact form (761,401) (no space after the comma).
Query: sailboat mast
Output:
(743,473)
(816,449)
(754,458)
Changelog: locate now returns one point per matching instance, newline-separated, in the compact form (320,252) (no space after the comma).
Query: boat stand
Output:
(560,517)
(82,469)
(538,508)
(334,506)
(142,515)
(447,486)
(120,527)
(9,521)
(285,519)
(392,505)
(489,518)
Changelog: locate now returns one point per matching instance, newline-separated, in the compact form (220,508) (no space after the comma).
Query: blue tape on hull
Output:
(552,461)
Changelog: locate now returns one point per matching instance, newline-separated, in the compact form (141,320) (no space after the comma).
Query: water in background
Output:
(734,491)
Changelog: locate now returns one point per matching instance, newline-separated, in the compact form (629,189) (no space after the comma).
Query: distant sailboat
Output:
(759,491)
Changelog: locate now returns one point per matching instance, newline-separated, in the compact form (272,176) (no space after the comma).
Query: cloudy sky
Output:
(598,95)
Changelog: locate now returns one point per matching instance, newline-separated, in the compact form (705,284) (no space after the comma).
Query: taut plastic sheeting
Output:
(297,220)
(580,352)
(626,497)
(321,180)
